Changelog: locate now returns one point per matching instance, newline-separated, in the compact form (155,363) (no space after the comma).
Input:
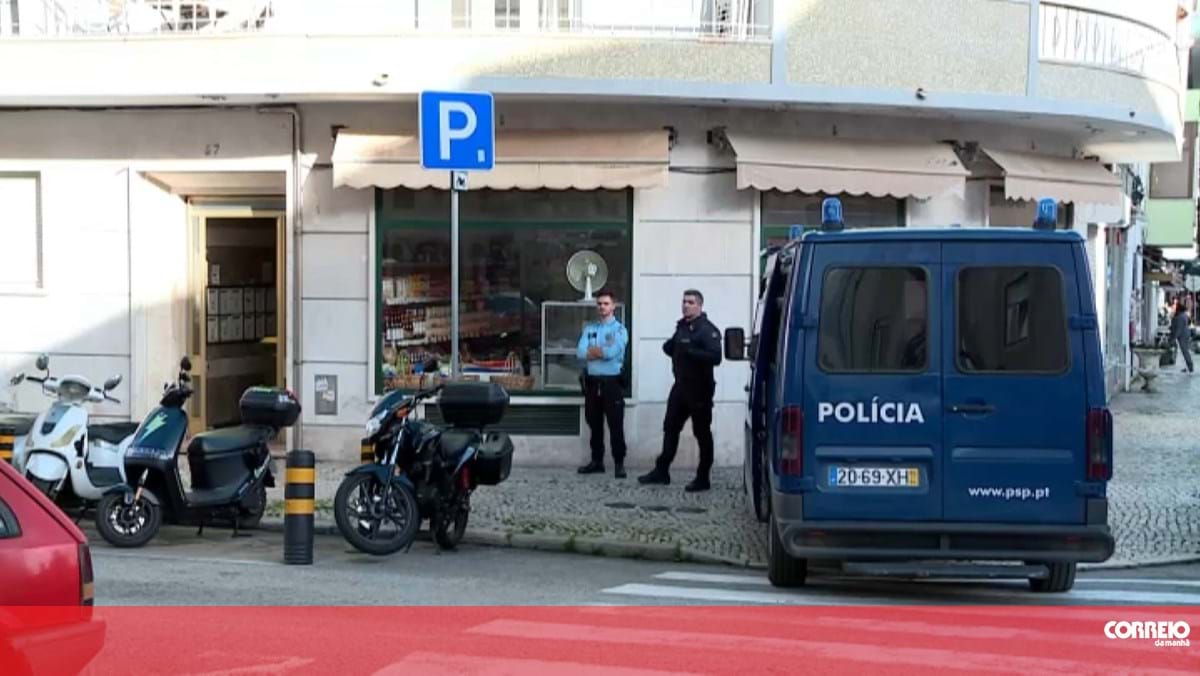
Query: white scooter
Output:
(70,461)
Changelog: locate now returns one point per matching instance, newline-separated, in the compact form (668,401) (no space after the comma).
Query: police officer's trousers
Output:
(603,399)
(682,405)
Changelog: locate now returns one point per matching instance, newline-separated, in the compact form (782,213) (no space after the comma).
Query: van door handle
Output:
(972,408)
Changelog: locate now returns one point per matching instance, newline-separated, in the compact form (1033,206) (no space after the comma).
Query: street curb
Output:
(569,544)
(653,551)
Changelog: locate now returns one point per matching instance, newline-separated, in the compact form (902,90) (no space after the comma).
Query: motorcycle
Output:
(423,472)
(71,461)
(230,468)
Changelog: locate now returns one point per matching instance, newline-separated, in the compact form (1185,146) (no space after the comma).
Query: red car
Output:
(44,557)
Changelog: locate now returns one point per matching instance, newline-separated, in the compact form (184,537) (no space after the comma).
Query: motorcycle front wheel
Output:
(375,523)
(128,525)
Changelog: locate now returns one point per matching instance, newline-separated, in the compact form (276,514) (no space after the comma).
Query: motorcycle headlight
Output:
(375,424)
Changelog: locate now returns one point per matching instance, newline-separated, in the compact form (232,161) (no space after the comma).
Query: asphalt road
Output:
(181,568)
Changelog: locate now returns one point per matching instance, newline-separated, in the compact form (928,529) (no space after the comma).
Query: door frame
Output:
(198,215)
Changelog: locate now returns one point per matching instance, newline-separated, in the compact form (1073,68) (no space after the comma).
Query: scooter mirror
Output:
(17,379)
(112,383)
(185,364)
(43,362)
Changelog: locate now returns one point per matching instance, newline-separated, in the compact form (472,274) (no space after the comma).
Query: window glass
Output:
(8,522)
(521,317)
(874,319)
(1011,319)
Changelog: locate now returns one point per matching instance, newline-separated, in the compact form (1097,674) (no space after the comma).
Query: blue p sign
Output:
(458,131)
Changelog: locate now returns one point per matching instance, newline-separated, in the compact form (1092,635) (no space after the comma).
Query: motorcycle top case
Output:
(269,406)
(472,405)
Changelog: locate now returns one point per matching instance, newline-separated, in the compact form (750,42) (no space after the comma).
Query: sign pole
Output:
(455,363)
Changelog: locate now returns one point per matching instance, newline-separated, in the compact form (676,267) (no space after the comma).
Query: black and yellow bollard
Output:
(299,498)
(6,446)
(366,452)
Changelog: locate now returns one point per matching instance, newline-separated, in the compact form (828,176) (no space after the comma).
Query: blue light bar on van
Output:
(1047,215)
(831,214)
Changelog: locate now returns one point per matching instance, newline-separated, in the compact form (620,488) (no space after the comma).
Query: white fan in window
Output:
(587,271)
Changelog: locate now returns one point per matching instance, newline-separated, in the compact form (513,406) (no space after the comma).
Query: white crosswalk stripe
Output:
(687,586)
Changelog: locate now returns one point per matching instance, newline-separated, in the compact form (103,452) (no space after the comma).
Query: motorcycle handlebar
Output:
(425,394)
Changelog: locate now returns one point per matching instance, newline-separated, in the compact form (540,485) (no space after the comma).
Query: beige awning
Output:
(854,166)
(1034,177)
(525,160)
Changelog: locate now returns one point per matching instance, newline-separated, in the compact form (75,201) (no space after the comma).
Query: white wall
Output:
(80,316)
(970,210)
(114,244)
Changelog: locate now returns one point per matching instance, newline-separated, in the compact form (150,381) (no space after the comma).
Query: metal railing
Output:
(1083,37)
(735,20)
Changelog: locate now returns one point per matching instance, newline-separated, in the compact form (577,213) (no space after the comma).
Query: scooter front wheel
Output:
(128,524)
(375,518)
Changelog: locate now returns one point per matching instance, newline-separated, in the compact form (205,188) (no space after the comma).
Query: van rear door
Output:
(1015,383)
(872,383)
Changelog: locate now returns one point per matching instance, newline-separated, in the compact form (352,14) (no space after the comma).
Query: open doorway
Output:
(238,319)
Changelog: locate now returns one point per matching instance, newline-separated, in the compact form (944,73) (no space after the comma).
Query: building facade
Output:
(239,181)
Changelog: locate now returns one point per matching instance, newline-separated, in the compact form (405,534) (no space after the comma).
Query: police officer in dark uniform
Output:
(695,350)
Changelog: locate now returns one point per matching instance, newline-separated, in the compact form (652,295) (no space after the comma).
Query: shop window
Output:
(873,320)
(1011,320)
(21,232)
(513,250)
(780,211)
(1176,179)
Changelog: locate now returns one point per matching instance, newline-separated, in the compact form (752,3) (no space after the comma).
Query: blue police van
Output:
(929,402)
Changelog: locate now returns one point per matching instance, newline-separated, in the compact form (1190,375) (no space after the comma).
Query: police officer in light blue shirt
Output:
(602,349)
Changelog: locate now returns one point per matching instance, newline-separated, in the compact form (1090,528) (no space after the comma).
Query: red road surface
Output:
(581,641)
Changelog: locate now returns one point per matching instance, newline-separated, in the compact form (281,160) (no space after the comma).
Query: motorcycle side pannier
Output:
(493,461)
(269,406)
(472,405)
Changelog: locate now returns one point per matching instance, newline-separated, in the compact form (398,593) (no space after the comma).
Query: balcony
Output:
(733,20)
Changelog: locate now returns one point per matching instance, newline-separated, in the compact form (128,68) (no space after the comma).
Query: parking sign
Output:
(458,131)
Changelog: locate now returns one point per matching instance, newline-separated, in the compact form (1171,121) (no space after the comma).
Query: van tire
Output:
(1060,578)
(783,569)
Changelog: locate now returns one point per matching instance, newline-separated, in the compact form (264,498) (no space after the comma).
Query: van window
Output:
(1012,319)
(873,319)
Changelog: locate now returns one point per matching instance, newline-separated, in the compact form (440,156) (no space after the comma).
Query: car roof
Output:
(950,234)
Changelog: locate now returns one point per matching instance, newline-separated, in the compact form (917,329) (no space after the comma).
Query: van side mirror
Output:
(112,383)
(735,344)
(43,362)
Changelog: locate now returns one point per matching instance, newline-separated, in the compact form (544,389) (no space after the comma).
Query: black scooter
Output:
(230,468)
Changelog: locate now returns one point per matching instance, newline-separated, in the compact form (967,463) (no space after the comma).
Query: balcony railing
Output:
(737,20)
(1083,37)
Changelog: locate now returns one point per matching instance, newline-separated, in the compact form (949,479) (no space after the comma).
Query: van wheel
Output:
(783,569)
(1060,578)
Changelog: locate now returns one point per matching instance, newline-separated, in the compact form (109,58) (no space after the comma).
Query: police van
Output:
(929,402)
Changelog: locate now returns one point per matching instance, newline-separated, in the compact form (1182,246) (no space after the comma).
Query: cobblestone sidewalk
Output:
(1155,498)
